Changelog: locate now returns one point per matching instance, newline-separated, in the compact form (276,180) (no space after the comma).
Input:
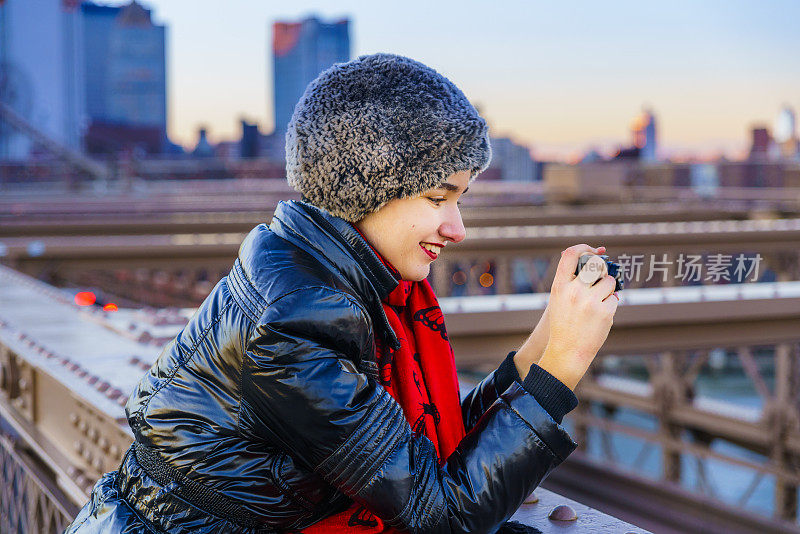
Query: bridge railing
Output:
(690,431)
(176,269)
(647,406)
(30,500)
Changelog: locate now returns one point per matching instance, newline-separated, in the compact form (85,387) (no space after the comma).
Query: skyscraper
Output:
(125,66)
(249,145)
(785,125)
(300,51)
(760,143)
(788,145)
(40,73)
(643,130)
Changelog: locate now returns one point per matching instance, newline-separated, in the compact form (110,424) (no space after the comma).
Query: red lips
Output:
(429,253)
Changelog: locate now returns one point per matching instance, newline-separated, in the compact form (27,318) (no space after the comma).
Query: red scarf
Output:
(421,376)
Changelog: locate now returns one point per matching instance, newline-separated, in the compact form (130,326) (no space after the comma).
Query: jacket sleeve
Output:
(487,391)
(551,394)
(306,394)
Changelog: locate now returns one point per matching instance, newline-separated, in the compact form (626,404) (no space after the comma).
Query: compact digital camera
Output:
(613,268)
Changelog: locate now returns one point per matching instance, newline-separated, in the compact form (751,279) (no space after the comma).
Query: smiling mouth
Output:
(431,250)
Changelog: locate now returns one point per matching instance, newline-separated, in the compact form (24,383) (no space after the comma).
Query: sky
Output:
(559,77)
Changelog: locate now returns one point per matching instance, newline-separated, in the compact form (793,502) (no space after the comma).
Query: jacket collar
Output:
(345,248)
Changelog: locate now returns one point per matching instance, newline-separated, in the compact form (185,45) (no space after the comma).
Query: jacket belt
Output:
(194,492)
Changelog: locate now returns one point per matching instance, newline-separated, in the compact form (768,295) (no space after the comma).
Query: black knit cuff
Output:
(556,398)
(506,374)
(550,393)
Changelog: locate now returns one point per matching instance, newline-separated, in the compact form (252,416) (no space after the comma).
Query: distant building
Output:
(513,161)
(628,153)
(660,175)
(704,178)
(587,182)
(761,140)
(628,180)
(592,156)
(754,173)
(273,146)
(250,144)
(228,150)
(643,131)
(40,62)
(300,51)
(203,149)
(785,125)
(125,78)
(788,146)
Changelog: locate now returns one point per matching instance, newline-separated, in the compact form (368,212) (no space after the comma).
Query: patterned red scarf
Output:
(421,376)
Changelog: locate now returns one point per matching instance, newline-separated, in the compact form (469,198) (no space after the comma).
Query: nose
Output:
(452,228)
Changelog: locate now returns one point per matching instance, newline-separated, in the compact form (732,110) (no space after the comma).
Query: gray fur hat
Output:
(377,128)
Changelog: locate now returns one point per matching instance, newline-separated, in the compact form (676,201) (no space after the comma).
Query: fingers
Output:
(592,268)
(610,304)
(565,272)
(604,287)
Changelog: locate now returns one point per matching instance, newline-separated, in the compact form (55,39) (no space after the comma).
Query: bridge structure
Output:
(85,165)
(165,245)
(154,213)
(67,371)
(143,262)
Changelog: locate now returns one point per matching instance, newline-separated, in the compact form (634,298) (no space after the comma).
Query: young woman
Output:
(315,389)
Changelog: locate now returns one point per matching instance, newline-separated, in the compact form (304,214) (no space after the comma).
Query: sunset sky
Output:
(560,78)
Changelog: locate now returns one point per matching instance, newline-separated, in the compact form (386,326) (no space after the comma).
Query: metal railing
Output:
(30,501)
(648,386)
(688,425)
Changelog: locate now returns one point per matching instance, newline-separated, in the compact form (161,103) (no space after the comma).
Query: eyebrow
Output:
(450,187)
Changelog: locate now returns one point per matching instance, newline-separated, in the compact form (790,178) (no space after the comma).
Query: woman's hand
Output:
(580,318)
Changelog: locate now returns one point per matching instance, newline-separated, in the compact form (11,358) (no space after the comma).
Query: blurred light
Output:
(85,298)
(459,278)
(3,250)
(486,280)
(110,307)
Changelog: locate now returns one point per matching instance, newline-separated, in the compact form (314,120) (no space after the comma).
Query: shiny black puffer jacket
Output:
(263,414)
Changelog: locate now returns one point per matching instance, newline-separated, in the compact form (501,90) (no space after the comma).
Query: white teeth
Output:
(433,248)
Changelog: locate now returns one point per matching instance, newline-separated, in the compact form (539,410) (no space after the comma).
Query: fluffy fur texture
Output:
(377,128)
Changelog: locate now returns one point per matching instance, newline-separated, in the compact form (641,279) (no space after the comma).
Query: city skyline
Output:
(560,79)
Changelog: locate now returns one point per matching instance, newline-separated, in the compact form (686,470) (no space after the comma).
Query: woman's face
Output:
(405,230)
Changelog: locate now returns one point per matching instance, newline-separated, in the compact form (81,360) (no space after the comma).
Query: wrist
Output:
(531,351)
(562,365)
(522,363)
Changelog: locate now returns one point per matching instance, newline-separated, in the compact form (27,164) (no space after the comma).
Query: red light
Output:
(85,298)
(110,307)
